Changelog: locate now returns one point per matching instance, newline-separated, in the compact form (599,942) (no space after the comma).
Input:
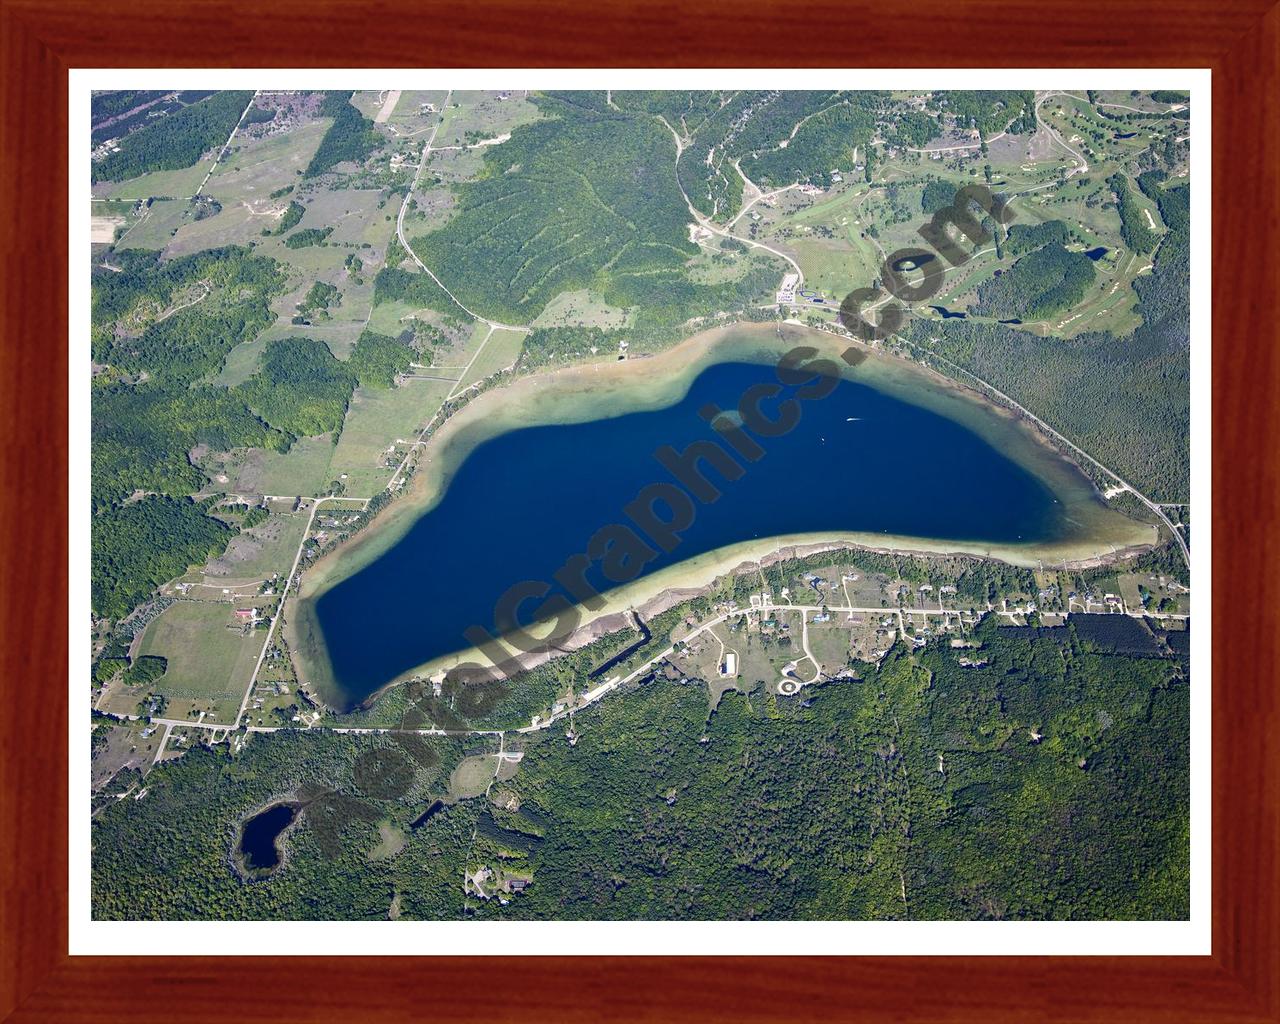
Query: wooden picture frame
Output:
(42,39)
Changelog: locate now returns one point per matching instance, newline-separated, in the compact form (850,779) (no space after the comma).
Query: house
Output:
(247,614)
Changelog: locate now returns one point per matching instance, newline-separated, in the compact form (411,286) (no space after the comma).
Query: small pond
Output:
(258,836)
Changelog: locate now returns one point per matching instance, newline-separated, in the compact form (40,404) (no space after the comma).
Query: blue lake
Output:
(525,501)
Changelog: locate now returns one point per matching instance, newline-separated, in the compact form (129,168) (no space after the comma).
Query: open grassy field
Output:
(409,117)
(262,551)
(234,224)
(582,308)
(462,349)
(302,470)
(830,643)
(125,747)
(209,661)
(155,228)
(451,166)
(390,318)
(472,776)
(257,167)
(376,419)
(357,215)
(500,351)
(474,116)
(243,184)
(339,334)
(241,362)
(181,184)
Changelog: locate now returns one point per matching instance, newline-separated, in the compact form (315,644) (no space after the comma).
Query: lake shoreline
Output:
(590,392)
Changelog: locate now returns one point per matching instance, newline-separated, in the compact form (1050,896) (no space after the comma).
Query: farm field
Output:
(409,115)
(179,185)
(261,552)
(257,167)
(156,226)
(379,417)
(300,471)
(474,116)
(209,661)
(500,351)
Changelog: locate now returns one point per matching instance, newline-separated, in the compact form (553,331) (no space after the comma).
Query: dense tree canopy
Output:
(350,137)
(1045,281)
(138,546)
(177,140)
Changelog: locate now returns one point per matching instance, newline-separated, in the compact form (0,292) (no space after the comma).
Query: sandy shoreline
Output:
(597,391)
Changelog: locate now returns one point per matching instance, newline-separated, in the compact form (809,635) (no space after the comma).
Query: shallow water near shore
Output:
(519,503)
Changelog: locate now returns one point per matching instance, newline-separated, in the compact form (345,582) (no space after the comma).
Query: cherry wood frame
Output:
(41,39)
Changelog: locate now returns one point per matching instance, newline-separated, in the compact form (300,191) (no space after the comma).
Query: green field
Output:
(408,115)
(581,308)
(161,184)
(377,418)
(263,551)
(500,351)
(155,228)
(209,661)
(258,167)
(474,116)
(301,471)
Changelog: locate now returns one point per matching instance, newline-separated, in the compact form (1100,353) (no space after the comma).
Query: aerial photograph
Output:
(526,505)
